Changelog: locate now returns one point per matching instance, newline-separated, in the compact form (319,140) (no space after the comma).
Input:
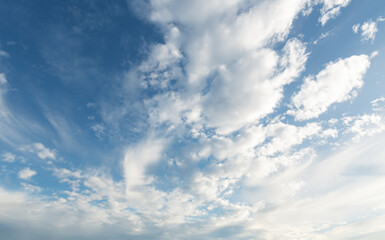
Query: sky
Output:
(204,119)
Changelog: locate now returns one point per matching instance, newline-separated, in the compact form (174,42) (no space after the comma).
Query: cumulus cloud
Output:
(336,83)
(136,160)
(26,173)
(231,58)
(249,90)
(368,30)
(40,150)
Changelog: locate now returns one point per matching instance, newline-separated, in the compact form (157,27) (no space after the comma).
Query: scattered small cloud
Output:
(364,125)
(380,19)
(368,29)
(99,130)
(8,157)
(91,105)
(3,53)
(378,104)
(356,27)
(31,188)
(26,173)
(322,36)
(40,150)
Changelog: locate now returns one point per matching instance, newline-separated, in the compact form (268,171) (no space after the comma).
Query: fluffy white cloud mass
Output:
(232,77)
(336,83)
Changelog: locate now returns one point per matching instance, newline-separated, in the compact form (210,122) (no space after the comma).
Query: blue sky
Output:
(170,119)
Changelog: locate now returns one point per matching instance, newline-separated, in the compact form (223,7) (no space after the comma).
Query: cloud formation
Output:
(336,83)
(368,30)
(26,173)
(8,157)
(40,150)
(206,135)
(331,9)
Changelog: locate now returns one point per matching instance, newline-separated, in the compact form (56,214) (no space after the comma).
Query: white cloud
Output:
(378,104)
(26,173)
(331,193)
(368,30)
(8,157)
(40,150)
(190,12)
(64,173)
(136,160)
(3,53)
(286,136)
(322,36)
(336,83)
(3,79)
(68,132)
(9,126)
(225,55)
(99,130)
(31,188)
(246,92)
(331,9)
(229,175)
(355,28)
(4,112)
(380,19)
(365,125)
(12,126)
